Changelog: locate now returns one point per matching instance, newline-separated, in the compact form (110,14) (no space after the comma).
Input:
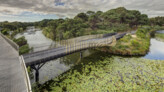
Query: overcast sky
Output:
(35,10)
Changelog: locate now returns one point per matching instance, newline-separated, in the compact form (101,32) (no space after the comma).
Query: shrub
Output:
(24,49)
(135,43)
(20,41)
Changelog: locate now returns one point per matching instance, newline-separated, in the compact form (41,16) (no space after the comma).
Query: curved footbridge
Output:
(13,72)
(71,46)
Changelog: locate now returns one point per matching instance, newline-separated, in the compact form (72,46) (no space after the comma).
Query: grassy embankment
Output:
(133,44)
(102,73)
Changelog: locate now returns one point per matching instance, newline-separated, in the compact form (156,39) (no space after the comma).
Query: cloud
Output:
(69,8)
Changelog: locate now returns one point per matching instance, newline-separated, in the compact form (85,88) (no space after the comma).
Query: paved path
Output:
(11,71)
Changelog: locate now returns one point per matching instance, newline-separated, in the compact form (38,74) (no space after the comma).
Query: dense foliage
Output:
(12,28)
(115,20)
(157,21)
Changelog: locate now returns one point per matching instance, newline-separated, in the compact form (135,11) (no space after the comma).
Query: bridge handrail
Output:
(26,74)
(81,38)
(50,50)
(69,46)
(86,37)
(13,44)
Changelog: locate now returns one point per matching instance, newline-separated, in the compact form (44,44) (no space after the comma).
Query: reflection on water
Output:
(156,50)
(53,68)
(161,31)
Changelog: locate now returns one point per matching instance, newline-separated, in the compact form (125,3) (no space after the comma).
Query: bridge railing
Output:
(75,46)
(84,38)
(89,44)
(66,43)
(27,79)
(13,44)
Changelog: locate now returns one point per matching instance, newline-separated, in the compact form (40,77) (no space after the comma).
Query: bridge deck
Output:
(11,79)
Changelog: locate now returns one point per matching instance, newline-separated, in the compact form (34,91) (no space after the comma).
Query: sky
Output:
(36,10)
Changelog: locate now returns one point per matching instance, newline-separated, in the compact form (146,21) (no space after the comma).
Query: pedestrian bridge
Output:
(71,46)
(13,72)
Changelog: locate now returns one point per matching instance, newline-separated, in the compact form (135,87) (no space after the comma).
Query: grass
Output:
(110,74)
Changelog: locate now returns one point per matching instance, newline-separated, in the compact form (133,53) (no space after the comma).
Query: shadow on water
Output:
(56,67)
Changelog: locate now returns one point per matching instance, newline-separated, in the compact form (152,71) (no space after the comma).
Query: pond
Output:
(156,50)
(56,67)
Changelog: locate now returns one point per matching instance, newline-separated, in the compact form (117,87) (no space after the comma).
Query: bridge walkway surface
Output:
(12,76)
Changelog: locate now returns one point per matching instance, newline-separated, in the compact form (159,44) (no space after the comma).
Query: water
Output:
(156,49)
(161,31)
(36,40)
(56,67)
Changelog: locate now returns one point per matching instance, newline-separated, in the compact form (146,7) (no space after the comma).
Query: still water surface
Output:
(56,67)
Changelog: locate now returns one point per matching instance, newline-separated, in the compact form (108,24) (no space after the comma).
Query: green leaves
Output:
(20,41)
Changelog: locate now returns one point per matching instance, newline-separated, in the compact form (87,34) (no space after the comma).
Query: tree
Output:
(90,13)
(82,16)
(143,19)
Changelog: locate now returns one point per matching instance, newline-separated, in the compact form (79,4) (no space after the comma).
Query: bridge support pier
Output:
(36,68)
(81,55)
(36,75)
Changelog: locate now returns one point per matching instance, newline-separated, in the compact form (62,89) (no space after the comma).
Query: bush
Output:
(20,41)
(24,49)
(135,43)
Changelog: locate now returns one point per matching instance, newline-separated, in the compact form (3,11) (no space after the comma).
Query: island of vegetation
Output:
(136,44)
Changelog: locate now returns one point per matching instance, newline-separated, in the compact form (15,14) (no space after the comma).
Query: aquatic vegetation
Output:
(110,74)
(159,36)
